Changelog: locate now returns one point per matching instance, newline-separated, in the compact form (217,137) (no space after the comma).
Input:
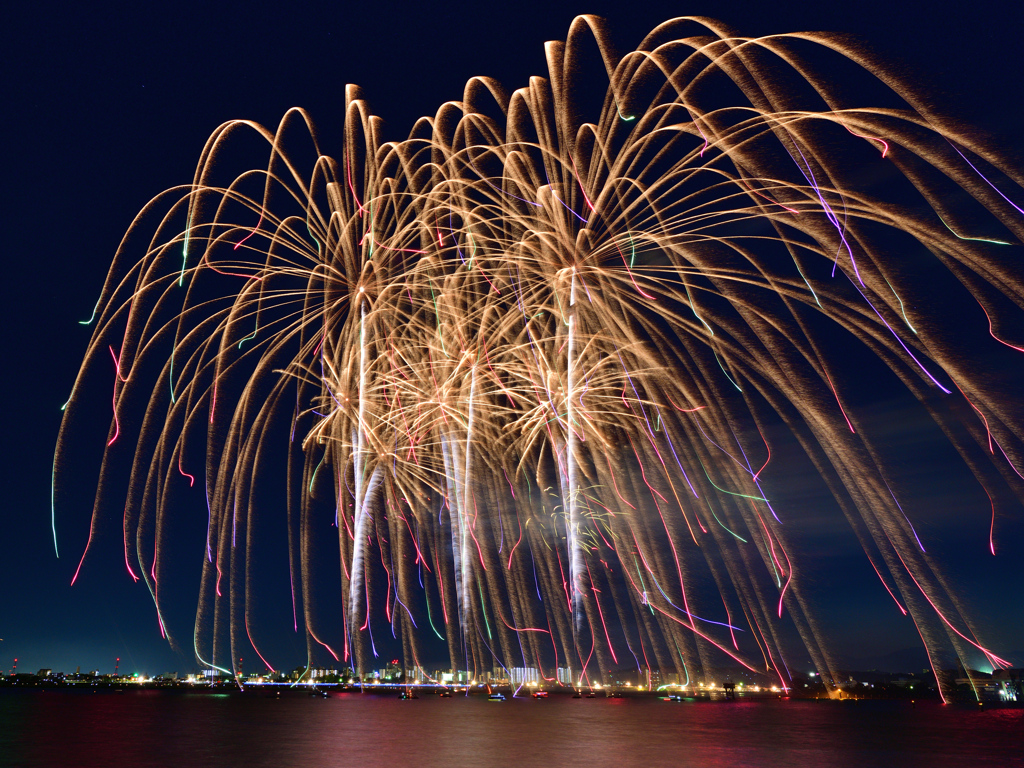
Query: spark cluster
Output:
(524,369)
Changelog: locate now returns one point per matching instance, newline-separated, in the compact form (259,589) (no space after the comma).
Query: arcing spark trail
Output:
(531,360)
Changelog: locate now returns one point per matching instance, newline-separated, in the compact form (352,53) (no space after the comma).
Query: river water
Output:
(155,728)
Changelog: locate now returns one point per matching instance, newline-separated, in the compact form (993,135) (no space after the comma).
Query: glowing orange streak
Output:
(411,453)
(697,126)
(675,556)
(902,609)
(311,634)
(728,619)
(348,529)
(789,564)
(697,518)
(771,543)
(253,644)
(512,551)
(639,633)
(931,663)
(344,565)
(493,286)
(511,489)
(367,593)
(239,243)
(762,643)
(601,534)
(642,473)
(769,448)
(690,626)
(117,424)
(159,617)
(565,587)
(585,287)
(600,613)
(988,653)
(554,647)
(437,389)
(766,653)
(576,174)
(117,363)
(387,598)
(837,401)
(1009,462)
(156,593)
(351,186)
(602,506)
(369,234)
(497,380)
(440,582)
(630,273)
(521,629)
(684,410)
(87,543)
(992,332)
(650,439)
(394,357)
(639,551)
(774,665)
(773,202)
(869,138)
(992,528)
(191,478)
(323,338)
(593,646)
(419,554)
(124,527)
(206,260)
(696,631)
(470,528)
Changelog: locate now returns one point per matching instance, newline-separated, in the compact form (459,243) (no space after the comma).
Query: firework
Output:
(524,369)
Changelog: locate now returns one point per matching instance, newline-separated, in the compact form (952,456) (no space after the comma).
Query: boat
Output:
(404,695)
(496,697)
(445,694)
(540,694)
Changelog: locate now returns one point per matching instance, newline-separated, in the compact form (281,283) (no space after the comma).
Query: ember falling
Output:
(523,372)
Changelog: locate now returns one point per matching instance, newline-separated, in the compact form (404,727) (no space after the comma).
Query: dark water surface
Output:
(154,728)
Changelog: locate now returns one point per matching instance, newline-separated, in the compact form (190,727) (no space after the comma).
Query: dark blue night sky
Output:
(108,104)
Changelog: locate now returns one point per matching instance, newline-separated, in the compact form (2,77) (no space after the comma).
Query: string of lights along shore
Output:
(516,381)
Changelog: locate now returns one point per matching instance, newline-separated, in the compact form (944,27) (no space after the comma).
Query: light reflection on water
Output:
(152,728)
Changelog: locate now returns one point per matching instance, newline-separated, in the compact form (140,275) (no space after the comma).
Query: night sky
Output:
(107,104)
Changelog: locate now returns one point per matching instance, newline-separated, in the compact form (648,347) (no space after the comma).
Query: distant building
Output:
(1011,684)
(523,675)
(452,676)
